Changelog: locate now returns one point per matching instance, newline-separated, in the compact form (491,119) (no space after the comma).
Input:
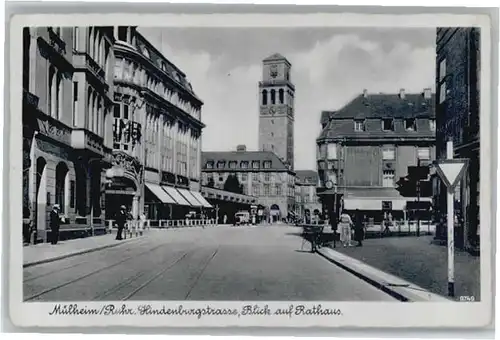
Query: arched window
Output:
(59,96)
(281,96)
(273,96)
(51,91)
(264,97)
(90,110)
(61,172)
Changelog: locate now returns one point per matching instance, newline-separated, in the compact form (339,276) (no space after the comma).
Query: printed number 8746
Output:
(467,298)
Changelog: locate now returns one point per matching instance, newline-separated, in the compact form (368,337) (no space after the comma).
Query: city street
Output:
(217,263)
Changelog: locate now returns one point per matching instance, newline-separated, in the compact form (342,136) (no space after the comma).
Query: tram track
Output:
(101,254)
(81,277)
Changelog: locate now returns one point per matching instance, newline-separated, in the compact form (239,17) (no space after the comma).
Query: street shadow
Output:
(303,251)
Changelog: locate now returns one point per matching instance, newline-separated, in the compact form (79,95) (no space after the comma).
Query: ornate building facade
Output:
(67,125)
(156,133)
(306,199)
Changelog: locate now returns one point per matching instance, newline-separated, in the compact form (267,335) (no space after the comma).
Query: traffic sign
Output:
(451,171)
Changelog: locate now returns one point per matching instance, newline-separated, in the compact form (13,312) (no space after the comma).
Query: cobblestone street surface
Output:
(223,263)
(416,260)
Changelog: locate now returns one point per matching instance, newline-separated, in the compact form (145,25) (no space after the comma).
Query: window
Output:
(266,190)
(232,165)
(388,153)
(221,165)
(256,190)
(75,103)
(424,153)
(332,151)
(255,164)
(244,177)
(442,81)
(359,125)
(267,177)
(267,165)
(273,97)
(278,190)
(281,96)
(388,124)
(75,38)
(432,125)
(244,165)
(410,124)
(388,179)
(255,177)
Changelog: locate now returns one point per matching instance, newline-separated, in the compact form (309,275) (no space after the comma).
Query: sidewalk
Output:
(46,252)
(418,261)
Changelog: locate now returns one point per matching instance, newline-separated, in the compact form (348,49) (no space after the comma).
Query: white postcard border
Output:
(354,314)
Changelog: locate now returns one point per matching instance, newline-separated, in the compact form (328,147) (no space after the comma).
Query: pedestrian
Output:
(55,222)
(142,223)
(358,228)
(225,219)
(121,220)
(345,229)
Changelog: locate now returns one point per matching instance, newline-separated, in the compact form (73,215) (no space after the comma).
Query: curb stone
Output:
(80,252)
(406,292)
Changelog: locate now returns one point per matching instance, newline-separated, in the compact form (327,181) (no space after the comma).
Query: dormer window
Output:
(410,124)
(232,165)
(255,164)
(210,165)
(388,124)
(244,165)
(359,125)
(221,165)
(267,165)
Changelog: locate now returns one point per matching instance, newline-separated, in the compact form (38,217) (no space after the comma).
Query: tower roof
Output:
(276,57)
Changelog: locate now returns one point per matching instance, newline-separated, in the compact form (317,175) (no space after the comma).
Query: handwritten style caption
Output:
(180,310)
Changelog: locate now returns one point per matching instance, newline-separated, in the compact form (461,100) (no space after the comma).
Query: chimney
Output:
(427,93)
(241,148)
(365,93)
(402,93)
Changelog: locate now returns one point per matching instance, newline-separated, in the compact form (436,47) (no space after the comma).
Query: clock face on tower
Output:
(273,71)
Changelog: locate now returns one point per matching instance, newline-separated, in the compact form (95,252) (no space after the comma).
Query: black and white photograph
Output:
(308,166)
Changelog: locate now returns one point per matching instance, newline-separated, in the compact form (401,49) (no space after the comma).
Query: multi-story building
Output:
(261,173)
(457,111)
(367,145)
(67,124)
(276,108)
(306,198)
(156,135)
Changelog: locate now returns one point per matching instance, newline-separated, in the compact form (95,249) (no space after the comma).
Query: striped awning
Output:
(201,199)
(179,199)
(189,197)
(160,193)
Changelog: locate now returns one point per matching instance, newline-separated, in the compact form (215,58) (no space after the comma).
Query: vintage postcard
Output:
(266,170)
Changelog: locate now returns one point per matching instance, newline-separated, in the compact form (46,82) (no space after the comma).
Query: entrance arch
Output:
(41,194)
(275,212)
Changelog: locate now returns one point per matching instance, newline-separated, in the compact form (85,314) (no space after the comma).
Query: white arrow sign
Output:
(451,171)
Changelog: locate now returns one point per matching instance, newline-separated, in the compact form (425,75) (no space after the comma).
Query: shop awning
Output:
(201,199)
(376,204)
(160,193)
(190,198)
(179,199)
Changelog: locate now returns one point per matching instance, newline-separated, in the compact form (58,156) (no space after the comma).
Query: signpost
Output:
(451,172)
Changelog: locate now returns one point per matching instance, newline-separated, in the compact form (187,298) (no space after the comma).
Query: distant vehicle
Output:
(242,218)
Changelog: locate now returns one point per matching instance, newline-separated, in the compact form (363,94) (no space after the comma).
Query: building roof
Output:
(307,176)
(387,106)
(238,156)
(378,106)
(275,57)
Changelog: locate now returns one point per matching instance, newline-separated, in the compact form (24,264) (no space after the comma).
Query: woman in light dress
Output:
(345,225)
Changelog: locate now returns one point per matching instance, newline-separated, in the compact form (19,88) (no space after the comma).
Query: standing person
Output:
(225,219)
(121,219)
(358,228)
(55,222)
(345,229)
(142,223)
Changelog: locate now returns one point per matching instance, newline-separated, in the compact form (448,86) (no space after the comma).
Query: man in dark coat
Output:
(358,228)
(121,219)
(55,222)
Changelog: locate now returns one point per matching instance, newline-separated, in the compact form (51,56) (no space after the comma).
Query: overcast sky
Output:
(329,67)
